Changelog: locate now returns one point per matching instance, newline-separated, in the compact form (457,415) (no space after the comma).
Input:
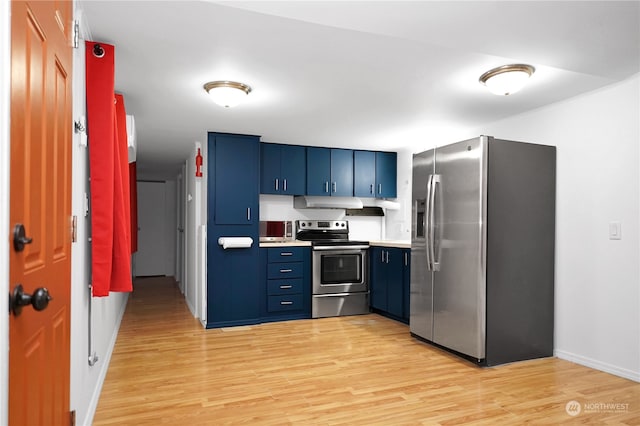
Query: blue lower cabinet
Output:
(291,286)
(406,283)
(286,284)
(282,303)
(389,282)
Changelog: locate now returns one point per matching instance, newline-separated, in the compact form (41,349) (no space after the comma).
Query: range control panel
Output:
(322,225)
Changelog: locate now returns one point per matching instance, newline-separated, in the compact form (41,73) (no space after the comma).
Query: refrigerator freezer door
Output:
(459,287)
(421,293)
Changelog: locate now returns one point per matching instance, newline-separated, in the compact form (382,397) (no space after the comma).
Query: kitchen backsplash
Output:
(280,207)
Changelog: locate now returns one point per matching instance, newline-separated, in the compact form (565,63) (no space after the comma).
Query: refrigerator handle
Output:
(428,223)
(435,184)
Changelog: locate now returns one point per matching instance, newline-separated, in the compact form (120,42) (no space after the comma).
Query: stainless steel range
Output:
(340,282)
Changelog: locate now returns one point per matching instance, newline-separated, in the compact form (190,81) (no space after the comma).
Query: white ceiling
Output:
(373,75)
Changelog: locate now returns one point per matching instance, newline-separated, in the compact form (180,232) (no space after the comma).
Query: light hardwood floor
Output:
(359,370)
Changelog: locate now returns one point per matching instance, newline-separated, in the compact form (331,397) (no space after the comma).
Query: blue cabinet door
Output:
(378,278)
(364,173)
(395,289)
(386,174)
(269,168)
(234,194)
(342,172)
(233,290)
(293,169)
(318,171)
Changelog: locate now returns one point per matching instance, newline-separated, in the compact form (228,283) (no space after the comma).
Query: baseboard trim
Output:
(598,365)
(104,367)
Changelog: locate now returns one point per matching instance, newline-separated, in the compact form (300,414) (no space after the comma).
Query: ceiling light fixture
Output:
(227,93)
(507,79)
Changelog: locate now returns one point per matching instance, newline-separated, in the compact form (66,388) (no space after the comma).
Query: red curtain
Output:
(133,197)
(109,171)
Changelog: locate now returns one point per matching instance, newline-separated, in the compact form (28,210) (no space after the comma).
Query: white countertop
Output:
(374,243)
(391,243)
(294,243)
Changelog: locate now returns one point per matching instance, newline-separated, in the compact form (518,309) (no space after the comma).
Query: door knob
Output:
(18,298)
(20,238)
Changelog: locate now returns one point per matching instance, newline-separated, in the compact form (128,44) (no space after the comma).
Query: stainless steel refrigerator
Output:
(482,249)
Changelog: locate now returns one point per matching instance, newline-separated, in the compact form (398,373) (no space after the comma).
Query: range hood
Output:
(320,202)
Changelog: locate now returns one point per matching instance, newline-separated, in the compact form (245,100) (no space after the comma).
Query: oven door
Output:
(340,270)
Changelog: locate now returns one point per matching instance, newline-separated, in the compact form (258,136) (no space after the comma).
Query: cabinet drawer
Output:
(285,254)
(292,302)
(293,286)
(284,270)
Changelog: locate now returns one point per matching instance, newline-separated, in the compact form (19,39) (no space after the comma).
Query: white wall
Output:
(86,381)
(597,312)
(598,181)
(5,84)
(195,287)
(398,222)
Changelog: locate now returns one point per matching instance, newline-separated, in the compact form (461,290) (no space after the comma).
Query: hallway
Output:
(360,370)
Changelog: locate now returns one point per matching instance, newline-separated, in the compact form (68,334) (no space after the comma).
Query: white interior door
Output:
(150,258)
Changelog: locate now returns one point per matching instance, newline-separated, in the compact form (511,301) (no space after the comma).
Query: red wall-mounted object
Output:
(198,164)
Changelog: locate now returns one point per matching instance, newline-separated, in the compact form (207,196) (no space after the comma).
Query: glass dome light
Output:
(507,79)
(227,93)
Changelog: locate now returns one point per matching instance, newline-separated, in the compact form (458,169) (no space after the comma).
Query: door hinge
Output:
(76,34)
(72,418)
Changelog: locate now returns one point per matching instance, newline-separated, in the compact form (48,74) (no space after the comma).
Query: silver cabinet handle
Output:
(276,184)
(286,253)
(285,287)
(286,270)
(335,186)
(379,188)
(406,259)
(249,213)
(371,189)
(326,187)
(387,256)
(382,256)
(284,185)
(286,302)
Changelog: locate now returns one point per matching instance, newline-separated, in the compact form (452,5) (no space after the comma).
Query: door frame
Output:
(5,155)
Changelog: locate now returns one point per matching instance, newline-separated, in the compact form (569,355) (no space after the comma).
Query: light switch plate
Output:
(615,231)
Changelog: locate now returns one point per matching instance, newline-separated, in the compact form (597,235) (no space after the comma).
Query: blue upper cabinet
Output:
(283,169)
(342,172)
(364,173)
(293,168)
(374,174)
(318,171)
(234,196)
(386,175)
(329,172)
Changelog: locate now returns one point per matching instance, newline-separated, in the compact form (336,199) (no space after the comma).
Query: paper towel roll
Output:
(235,242)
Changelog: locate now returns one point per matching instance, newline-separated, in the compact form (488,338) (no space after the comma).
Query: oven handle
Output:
(327,248)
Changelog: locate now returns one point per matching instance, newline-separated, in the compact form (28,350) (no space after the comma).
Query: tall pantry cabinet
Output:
(233,275)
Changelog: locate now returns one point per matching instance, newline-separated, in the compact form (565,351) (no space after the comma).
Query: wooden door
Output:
(41,125)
